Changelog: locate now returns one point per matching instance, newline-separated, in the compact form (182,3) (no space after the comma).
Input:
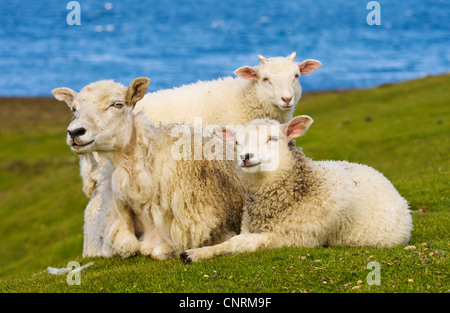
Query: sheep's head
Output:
(262,143)
(102,114)
(277,79)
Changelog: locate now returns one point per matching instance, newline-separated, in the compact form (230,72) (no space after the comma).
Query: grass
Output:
(401,130)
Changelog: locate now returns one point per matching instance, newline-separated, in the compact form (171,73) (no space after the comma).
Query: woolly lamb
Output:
(304,202)
(170,204)
(271,90)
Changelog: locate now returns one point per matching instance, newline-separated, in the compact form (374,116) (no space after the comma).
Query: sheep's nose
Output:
(76,132)
(286,100)
(247,156)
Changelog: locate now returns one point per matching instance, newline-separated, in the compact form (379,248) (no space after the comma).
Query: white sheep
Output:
(145,191)
(271,90)
(294,201)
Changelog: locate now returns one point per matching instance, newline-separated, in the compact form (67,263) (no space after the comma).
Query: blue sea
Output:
(177,42)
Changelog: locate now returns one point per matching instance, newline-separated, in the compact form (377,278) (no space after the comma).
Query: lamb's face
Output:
(103,115)
(262,144)
(277,79)
(258,147)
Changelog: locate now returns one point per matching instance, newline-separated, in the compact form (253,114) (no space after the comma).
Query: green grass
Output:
(401,130)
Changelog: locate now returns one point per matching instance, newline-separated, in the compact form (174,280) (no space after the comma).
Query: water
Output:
(179,42)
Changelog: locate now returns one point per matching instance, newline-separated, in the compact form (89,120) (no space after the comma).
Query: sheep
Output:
(294,201)
(150,201)
(260,94)
(271,90)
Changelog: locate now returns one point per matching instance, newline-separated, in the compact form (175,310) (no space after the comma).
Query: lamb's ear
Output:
(309,66)
(64,94)
(224,133)
(137,89)
(297,126)
(247,72)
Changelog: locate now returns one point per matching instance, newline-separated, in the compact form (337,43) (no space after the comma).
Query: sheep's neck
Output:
(266,200)
(125,156)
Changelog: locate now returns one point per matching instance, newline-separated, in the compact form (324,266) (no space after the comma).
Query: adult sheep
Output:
(271,90)
(294,201)
(177,204)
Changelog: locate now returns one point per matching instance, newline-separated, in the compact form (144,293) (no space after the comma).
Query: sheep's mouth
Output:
(82,145)
(81,148)
(285,107)
(248,165)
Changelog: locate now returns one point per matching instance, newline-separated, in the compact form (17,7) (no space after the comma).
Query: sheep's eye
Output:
(117,105)
(266,80)
(74,110)
(236,142)
(296,76)
(274,139)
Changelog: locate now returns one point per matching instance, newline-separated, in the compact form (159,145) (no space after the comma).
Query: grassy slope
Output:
(402,130)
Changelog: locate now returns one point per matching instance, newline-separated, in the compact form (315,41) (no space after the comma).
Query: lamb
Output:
(271,90)
(294,201)
(149,201)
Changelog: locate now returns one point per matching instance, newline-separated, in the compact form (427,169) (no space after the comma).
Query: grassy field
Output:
(401,130)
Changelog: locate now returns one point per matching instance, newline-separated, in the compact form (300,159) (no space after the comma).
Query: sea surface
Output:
(179,42)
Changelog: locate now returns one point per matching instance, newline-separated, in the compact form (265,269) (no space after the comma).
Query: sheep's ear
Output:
(247,72)
(297,126)
(137,89)
(224,133)
(292,56)
(64,94)
(308,66)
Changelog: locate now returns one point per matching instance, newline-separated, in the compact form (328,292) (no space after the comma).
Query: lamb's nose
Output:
(247,156)
(76,132)
(286,100)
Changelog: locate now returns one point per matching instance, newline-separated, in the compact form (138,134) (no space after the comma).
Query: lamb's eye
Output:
(274,139)
(296,76)
(117,105)
(266,80)
(236,142)
(74,110)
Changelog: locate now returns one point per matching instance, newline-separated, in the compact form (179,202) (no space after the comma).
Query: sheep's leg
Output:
(92,239)
(237,244)
(149,240)
(154,245)
(120,237)
(163,251)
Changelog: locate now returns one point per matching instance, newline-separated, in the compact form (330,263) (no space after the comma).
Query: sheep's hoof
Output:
(185,257)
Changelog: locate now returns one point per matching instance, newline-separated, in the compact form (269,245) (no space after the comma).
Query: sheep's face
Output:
(102,114)
(277,79)
(258,147)
(262,143)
